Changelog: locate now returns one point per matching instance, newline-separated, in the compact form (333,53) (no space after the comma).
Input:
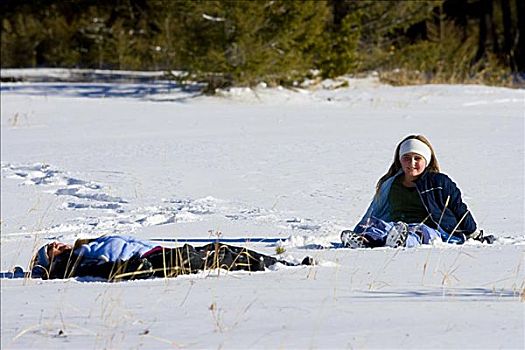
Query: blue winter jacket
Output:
(112,248)
(440,197)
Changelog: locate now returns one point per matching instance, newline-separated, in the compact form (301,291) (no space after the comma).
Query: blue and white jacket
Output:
(112,249)
(440,197)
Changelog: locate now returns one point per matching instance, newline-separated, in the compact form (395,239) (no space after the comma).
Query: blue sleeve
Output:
(460,209)
(360,225)
(113,248)
(379,208)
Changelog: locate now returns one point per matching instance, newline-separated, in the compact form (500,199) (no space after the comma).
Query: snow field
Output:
(80,160)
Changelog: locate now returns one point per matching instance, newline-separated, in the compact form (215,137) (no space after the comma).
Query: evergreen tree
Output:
(244,42)
(231,42)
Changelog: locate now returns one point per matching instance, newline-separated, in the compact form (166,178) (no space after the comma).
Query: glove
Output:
(476,235)
(489,239)
(480,236)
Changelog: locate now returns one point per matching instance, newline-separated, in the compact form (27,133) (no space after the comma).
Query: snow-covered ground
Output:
(159,161)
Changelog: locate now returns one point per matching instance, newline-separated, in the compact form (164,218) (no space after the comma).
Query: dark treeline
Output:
(279,42)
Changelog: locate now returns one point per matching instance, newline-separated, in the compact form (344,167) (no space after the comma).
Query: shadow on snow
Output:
(438,294)
(154,91)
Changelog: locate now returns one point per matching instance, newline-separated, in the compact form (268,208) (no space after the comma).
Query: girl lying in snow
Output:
(122,258)
(414,204)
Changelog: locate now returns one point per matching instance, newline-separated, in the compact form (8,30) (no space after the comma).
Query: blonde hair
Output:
(432,166)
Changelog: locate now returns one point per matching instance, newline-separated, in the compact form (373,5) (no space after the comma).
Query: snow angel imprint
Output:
(414,204)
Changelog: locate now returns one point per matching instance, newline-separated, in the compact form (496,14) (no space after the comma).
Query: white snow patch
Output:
(297,165)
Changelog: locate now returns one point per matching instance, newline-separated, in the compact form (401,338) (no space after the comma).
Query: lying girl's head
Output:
(51,259)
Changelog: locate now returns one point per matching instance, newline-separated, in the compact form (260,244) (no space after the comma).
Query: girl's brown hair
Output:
(433,166)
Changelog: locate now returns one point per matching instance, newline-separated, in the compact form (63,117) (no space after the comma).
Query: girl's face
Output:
(54,249)
(413,165)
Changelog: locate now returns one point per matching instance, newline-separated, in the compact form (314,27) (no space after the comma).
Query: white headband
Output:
(415,146)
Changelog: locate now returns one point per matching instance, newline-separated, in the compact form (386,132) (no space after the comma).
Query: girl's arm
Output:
(466,222)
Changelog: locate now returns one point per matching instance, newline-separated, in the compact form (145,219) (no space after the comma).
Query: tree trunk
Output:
(507,26)
(339,11)
(482,36)
(519,52)
(507,33)
(487,30)
(492,38)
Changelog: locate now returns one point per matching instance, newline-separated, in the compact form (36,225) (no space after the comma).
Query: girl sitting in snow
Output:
(414,204)
(122,257)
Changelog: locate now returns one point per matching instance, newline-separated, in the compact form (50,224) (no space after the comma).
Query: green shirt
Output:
(405,203)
